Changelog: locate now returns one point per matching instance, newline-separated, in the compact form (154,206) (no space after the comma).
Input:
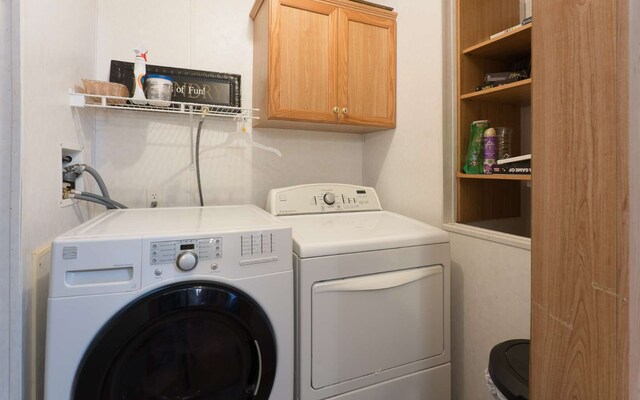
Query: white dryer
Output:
(372,297)
(172,303)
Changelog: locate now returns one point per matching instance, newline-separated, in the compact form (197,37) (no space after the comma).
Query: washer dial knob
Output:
(329,198)
(187,260)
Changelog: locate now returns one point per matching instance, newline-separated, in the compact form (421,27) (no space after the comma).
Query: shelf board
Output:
(495,177)
(513,44)
(512,93)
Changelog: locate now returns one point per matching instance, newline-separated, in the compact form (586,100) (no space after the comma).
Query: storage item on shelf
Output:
(514,165)
(102,88)
(520,70)
(474,151)
(524,22)
(490,150)
(139,71)
(504,142)
(158,89)
(373,4)
(190,85)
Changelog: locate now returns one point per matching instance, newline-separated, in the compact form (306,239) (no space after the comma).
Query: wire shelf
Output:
(173,107)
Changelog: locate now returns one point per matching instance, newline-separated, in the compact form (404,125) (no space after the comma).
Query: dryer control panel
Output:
(322,198)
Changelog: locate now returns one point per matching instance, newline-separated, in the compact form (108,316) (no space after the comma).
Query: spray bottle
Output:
(139,71)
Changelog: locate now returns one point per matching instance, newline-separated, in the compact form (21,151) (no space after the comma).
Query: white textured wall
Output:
(58,48)
(137,152)
(490,303)
(5,192)
(405,164)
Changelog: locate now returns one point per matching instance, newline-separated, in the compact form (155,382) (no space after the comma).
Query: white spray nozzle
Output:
(142,53)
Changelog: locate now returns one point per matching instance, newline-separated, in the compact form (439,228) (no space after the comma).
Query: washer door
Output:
(188,341)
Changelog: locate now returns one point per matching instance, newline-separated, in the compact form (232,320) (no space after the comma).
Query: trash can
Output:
(508,372)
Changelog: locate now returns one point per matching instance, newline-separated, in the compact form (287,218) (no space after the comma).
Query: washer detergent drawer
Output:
(367,324)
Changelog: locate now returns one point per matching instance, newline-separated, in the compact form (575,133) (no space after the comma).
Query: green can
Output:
(473,164)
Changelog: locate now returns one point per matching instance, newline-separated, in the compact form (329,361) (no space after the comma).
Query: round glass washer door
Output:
(194,341)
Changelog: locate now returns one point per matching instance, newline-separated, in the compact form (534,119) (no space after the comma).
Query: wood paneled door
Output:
(581,292)
(303,77)
(367,69)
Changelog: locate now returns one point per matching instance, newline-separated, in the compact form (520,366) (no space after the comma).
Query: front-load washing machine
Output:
(372,297)
(172,303)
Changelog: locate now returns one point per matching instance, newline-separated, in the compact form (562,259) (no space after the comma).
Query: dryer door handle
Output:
(379,281)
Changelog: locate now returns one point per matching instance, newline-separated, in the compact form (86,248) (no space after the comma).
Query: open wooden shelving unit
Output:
(485,198)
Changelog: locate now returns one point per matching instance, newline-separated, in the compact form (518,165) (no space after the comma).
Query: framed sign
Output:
(189,85)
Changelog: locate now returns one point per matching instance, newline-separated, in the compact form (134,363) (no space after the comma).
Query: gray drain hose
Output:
(99,180)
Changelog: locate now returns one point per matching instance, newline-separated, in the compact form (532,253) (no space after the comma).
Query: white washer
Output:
(372,296)
(172,303)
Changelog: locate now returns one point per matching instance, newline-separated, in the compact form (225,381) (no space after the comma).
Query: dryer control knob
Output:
(329,198)
(187,260)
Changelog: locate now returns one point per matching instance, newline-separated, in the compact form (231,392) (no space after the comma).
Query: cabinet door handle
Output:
(336,109)
(345,111)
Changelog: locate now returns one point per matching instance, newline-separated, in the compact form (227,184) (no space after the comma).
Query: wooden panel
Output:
(479,19)
(302,68)
(512,45)
(315,126)
(487,199)
(511,93)
(579,266)
(629,151)
(367,69)
(497,177)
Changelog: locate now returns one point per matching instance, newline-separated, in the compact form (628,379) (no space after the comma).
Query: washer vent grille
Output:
(70,253)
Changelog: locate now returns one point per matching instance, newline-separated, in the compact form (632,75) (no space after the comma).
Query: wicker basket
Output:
(105,89)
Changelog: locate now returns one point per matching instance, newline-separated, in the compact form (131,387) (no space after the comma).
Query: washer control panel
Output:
(185,252)
(322,198)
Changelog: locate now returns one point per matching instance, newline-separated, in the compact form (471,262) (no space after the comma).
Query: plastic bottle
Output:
(490,150)
(473,163)
(139,71)
(504,142)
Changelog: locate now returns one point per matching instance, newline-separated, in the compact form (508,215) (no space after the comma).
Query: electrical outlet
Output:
(153,198)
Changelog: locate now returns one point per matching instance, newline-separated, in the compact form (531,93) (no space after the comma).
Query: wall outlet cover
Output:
(153,198)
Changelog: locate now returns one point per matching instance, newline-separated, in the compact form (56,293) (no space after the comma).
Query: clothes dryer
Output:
(372,297)
(172,303)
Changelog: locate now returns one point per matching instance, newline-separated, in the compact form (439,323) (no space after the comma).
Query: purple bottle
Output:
(490,142)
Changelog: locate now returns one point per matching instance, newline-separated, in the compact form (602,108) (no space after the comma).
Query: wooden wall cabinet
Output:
(324,65)
(497,202)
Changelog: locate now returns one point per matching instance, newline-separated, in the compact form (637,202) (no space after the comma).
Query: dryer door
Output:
(368,324)
(188,341)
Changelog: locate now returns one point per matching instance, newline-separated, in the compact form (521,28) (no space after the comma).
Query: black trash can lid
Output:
(509,368)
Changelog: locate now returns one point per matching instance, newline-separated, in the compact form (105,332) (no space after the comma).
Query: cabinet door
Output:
(367,69)
(303,56)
